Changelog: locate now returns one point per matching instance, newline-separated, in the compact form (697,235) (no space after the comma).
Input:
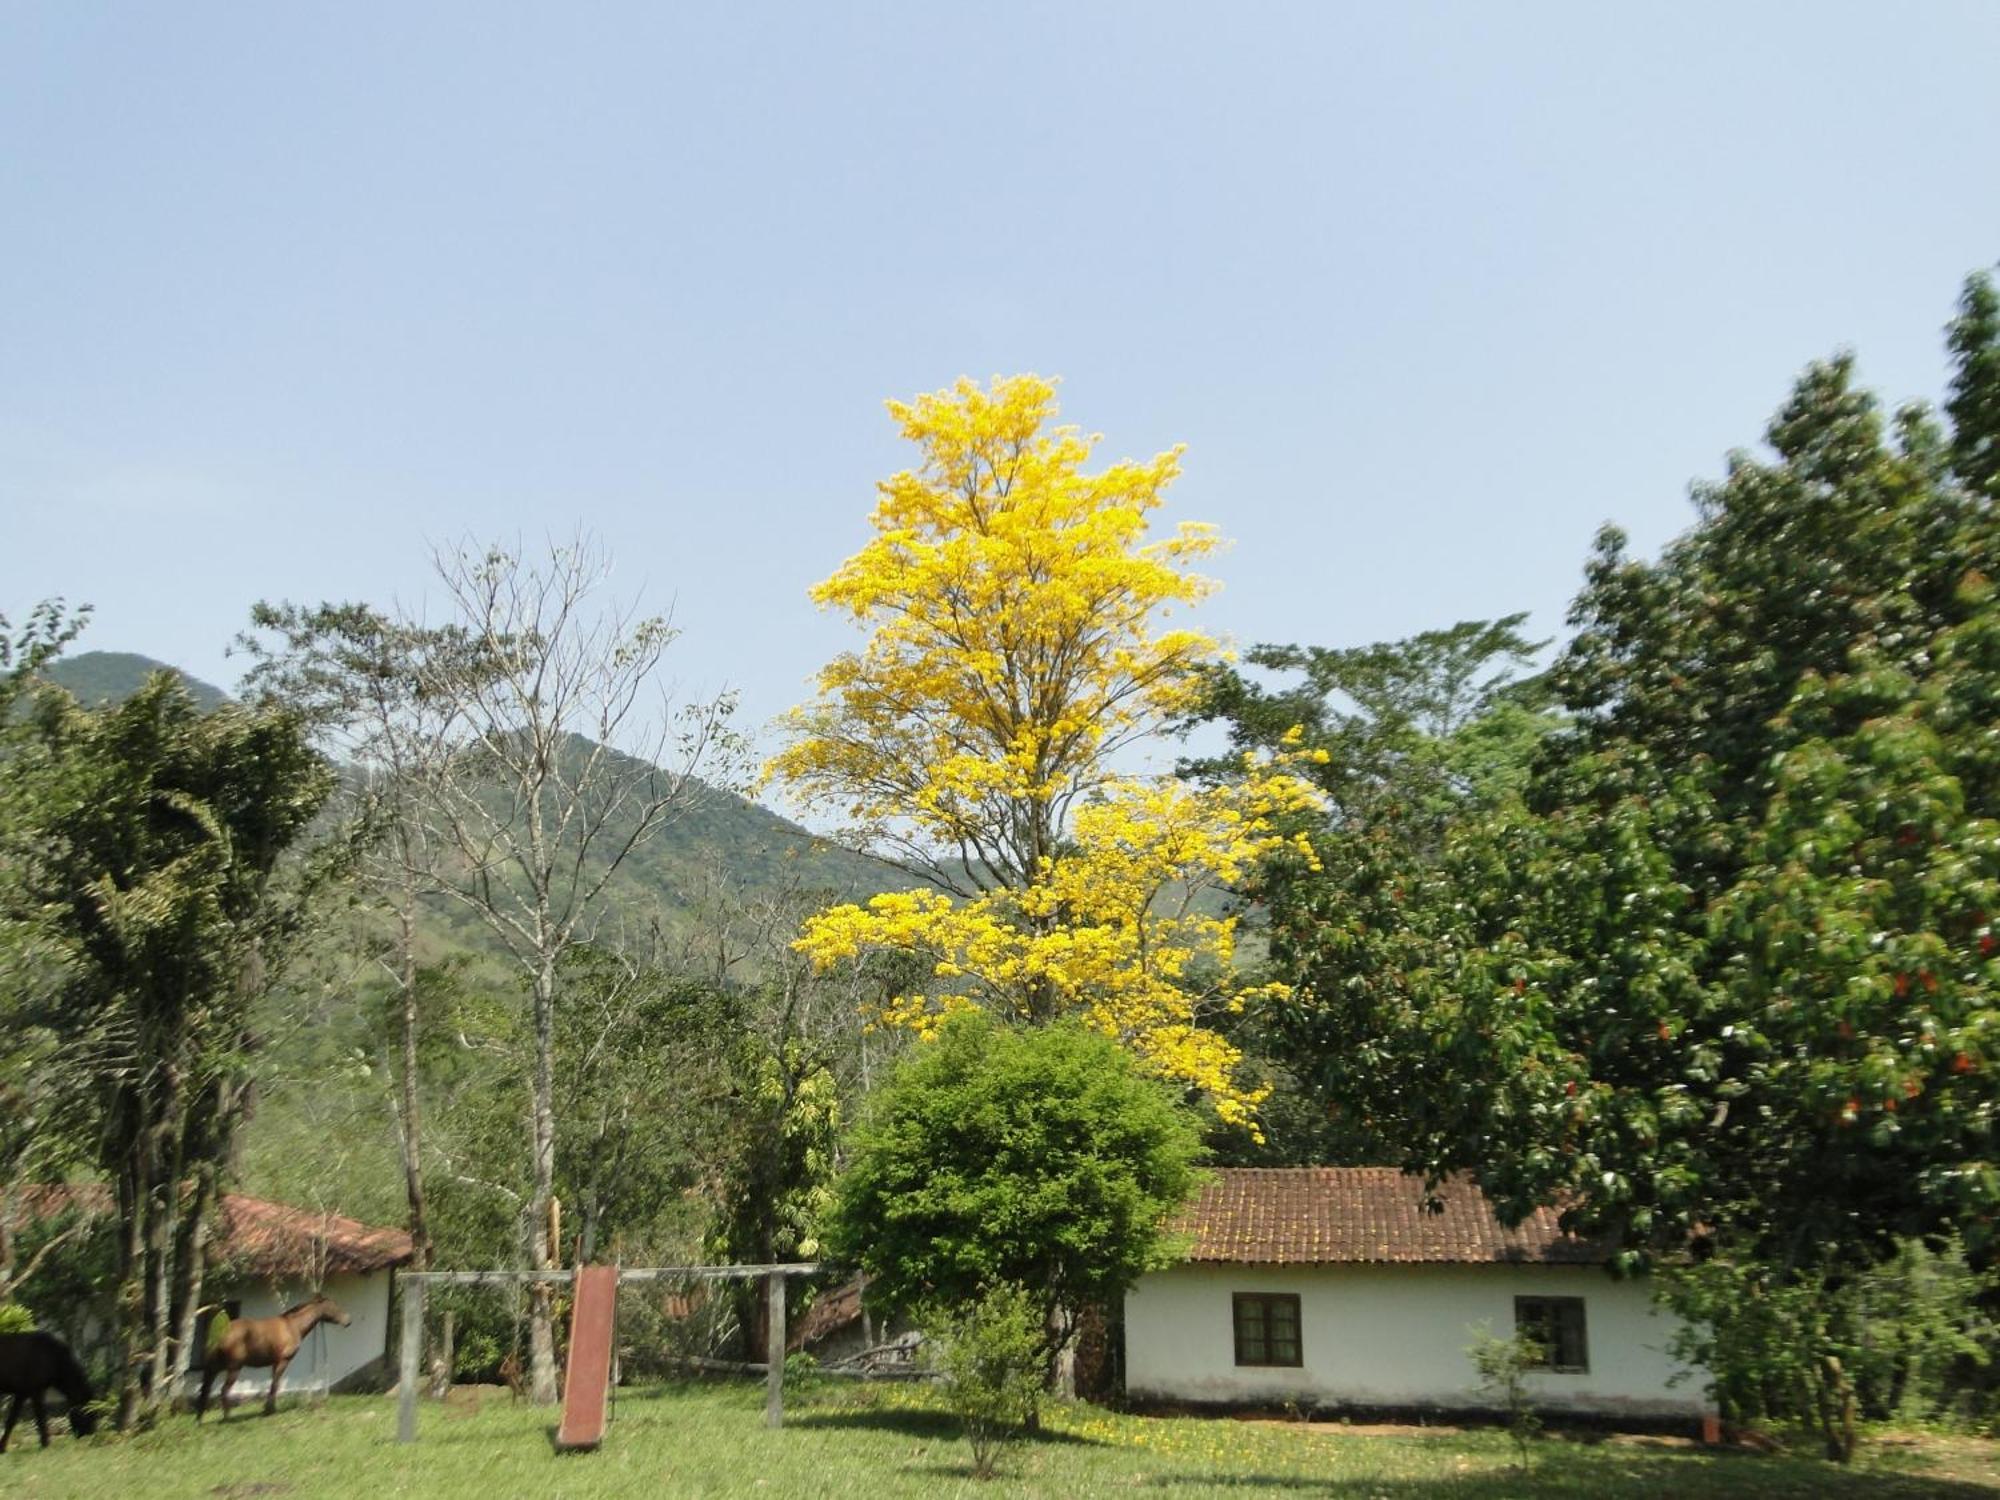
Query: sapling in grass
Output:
(1503,1366)
(991,1355)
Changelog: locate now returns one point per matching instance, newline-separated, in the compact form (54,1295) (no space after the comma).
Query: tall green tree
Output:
(1727,971)
(40,1133)
(155,861)
(1409,732)
(1407,740)
(1044,1159)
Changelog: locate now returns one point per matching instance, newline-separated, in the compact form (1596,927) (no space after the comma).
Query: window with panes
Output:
(1556,1324)
(1267,1329)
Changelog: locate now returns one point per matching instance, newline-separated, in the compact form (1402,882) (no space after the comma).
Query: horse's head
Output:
(69,1378)
(331,1310)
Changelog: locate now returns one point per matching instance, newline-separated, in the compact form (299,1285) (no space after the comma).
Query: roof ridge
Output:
(1335,1215)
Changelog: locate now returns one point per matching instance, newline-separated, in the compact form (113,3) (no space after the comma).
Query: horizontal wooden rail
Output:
(625,1274)
(420,1282)
(730,1273)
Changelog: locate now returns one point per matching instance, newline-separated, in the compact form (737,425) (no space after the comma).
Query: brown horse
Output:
(29,1364)
(264,1343)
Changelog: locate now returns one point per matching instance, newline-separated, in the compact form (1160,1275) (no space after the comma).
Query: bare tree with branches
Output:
(558,754)
(355,673)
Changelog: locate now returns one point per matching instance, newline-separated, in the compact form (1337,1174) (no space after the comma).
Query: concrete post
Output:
(774,1350)
(412,1357)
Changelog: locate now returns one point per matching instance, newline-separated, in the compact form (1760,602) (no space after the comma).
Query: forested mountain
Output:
(99,677)
(724,839)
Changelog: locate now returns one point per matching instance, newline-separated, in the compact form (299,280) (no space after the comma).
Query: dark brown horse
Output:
(263,1343)
(31,1363)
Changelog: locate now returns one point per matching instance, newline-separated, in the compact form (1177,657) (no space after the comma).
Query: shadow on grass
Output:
(936,1425)
(1589,1482)
(680,1390)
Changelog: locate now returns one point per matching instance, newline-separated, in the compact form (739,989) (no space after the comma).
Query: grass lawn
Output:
(882,1442)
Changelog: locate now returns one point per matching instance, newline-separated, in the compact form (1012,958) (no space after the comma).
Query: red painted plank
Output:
(587,1387)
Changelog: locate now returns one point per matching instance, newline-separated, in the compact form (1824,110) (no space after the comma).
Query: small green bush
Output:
(1041,1157)
(1503,1366)
(990,1352)
(802,1372)
(15,1318)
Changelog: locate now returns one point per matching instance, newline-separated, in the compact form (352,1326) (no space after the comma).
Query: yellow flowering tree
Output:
(1017,639)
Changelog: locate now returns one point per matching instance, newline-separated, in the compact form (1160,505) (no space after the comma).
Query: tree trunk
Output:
(6,1244)
(131,1286)
(447,1354)
(161,1239)
(542,1133)
(161,1209)
(409,1105)
(1836,1410)
(191,1266)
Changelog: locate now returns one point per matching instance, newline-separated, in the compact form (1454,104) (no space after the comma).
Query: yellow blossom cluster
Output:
(1013,609)
(1016,641)
(1115,929)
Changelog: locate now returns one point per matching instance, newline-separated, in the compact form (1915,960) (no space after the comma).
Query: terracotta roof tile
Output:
(1279,1216)
(258,1237)
(272,1239)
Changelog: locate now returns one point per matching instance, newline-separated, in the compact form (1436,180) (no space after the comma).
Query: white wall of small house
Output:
(330,1353)
(1396,1335)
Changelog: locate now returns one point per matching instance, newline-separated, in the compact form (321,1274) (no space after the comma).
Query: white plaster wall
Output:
(1397,1336)
(330,1353)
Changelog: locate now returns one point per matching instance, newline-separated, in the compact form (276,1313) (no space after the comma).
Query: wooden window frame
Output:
(1264,1301)
(1548,1313)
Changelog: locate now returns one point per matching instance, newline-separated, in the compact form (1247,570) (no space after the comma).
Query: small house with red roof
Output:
(271,1256)
(263,1258)
(1343,1288)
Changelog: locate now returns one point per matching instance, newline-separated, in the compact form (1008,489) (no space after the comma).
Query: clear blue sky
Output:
(1430,291)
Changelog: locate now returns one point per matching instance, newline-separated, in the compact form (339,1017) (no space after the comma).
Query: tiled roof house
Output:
(1310,1216)
(267,1256)
(1353,1287)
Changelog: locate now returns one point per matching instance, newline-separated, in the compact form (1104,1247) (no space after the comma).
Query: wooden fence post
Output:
(774,1349)
(412,1357)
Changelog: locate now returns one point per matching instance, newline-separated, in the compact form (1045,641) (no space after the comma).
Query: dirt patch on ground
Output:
(1651,1440)
(468,1400)
(1355,1429)
(474,1395)
(1445,1429)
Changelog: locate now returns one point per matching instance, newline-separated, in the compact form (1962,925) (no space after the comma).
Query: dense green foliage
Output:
(1905,1340)
(1713,965)
(1727,966)
(154,882)
(1039,1158)
(1409,741)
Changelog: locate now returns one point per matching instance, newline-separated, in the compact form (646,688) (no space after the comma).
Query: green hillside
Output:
(98,677)
(724,838)
(318,1134)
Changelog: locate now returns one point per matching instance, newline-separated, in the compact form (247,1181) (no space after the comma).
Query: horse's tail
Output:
(216,1325)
